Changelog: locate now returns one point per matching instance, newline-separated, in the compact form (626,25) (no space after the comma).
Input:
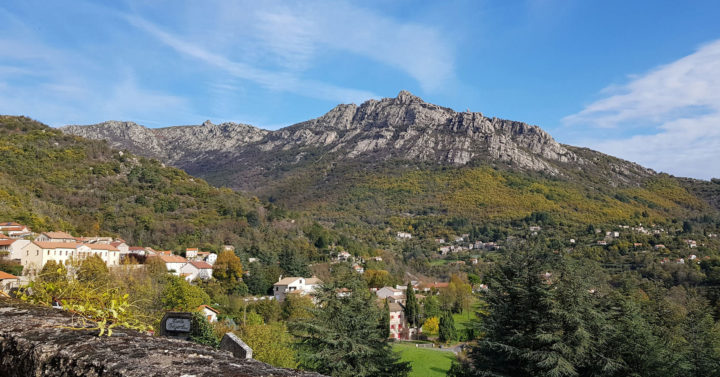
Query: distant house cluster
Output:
(32,251)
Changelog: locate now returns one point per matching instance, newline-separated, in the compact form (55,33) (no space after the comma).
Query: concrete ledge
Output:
(33,345)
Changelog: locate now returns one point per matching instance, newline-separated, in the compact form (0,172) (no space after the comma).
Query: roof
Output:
(395,307)
(10,224)
(6,242)
(2,236)
(57,245)
(201,265)
(313,281)
(117,243)
(100,246)
(437,285)
(58,235)
(172,258)
(191,249)
(392,289)
(4,275)
(136,248)
(287,281)
(201,307)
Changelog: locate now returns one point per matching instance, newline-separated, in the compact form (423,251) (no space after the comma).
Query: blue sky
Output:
(636,79)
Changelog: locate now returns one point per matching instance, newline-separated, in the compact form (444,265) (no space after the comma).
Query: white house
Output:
(191,253)
(209,312)
(196,270)
(173,263)
(343,256)
(15,230)
(299,285)
(386,292)
(404,235)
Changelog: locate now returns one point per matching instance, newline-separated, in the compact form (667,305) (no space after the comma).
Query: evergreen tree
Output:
(384,323)
(412,308)
(343,338)
(541,323)
(447,332)
(293,263)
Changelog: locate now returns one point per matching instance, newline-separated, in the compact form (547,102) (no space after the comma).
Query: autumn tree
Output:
(93,270)
(431,326)
(178,294)
(228,270)
(271,343)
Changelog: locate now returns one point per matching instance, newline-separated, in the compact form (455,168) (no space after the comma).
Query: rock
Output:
(231,343)
(33,344)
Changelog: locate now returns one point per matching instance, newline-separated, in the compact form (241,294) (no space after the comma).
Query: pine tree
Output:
(343,339)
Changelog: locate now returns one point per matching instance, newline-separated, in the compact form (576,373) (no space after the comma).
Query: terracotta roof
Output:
(4,275)
(13,228)
(10,224)
(165,252)
(6,242)
(191,249)
(2,236)
(101,246)
(203,253)
(58,235)
(117,243)
(437,285)
(201,307)
(57,245)
(201,265)
(172,258)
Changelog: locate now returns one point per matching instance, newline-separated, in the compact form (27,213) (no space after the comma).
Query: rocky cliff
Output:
(404,128)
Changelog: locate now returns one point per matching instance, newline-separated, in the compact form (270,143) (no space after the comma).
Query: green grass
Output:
(426,362)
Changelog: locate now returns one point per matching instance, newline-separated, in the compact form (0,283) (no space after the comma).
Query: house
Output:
(358,268)
(427,287)
(173,263)
(8,281)
(121,246)
(440,240)
(473,260)
(386,292)
(206,256)
(209,312)
(602,243)
(6,225)
(343,256)
(399,328)
(16,232)
(377,259)
(196,270)
(55,237)
(191,253)
(659,246)
(535,228)
(98,240)
(691,243)
(108,253)
(404,236)
(299,285)
(36,253)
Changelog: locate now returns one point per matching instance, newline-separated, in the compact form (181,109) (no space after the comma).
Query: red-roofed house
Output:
(173,263)
(8,281)
(209,312)
(196,270)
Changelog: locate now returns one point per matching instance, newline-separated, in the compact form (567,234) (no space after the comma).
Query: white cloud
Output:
(282,81)
(676,107)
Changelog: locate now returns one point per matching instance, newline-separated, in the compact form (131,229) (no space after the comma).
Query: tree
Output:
(446,328)
(293,263)
(343,339)
(201,331)
(181,295)
(53,272)
(228,270)
(384,322)
(431,307)
(431,326)
(296,307)
(270,343)
(412,308)
(93,270)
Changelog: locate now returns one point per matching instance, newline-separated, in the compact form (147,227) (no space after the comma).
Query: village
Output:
(31,251)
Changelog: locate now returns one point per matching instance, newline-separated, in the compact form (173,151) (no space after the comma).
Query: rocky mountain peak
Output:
(207,123)
(406,97)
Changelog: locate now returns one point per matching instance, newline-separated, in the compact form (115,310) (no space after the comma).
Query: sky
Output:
(635,79)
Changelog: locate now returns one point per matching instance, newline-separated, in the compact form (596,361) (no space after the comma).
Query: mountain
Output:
(54,181)
(403,157)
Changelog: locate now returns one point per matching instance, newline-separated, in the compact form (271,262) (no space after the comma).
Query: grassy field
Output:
(425,362)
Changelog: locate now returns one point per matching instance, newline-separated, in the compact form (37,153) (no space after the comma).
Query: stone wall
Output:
(33,344)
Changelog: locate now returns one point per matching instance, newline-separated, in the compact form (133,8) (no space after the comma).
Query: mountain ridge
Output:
(401,128)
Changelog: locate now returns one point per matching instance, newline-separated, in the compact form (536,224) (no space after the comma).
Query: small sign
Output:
(176,325)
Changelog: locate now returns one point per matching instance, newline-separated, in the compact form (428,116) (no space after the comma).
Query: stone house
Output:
(196,270)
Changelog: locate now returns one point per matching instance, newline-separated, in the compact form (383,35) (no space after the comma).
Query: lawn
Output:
(426,362)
